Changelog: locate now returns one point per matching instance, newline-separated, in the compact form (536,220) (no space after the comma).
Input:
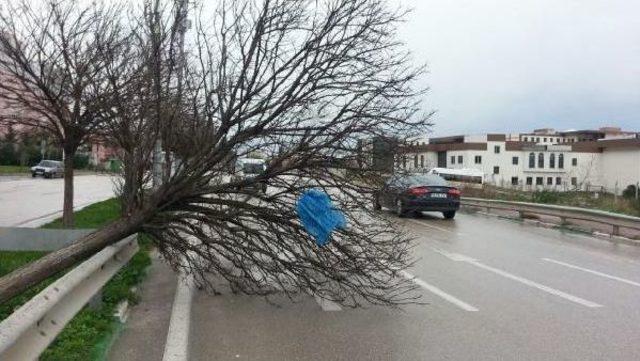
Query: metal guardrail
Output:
(28,331)
(616,221)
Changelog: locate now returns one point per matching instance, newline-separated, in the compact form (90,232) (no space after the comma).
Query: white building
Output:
(606,159)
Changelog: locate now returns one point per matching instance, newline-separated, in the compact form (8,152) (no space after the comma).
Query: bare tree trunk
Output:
(67,208)
(33,273)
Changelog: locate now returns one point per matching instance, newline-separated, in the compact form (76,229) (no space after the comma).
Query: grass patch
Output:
(10,261)
(89,334)
(93,216)
(14,169)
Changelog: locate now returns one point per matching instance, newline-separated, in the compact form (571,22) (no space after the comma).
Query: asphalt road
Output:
(496,290)
(30,202)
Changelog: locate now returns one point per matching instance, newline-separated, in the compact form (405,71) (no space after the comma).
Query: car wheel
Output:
(33,175)
(400,211)
(449,214)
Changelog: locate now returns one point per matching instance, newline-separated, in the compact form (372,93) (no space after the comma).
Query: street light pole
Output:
(160,160)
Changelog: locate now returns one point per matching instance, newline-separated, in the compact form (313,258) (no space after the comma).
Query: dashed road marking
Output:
(466,259)
(597,273)
(438,292)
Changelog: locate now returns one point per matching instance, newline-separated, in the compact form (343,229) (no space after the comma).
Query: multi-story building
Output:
(607,158)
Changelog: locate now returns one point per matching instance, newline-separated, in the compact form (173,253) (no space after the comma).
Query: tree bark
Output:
(67,208)
(30,275)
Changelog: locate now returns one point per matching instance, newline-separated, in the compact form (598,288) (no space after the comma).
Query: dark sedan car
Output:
(417,193)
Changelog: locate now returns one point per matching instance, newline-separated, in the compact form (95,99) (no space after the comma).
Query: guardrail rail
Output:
(615,220)
(28,331)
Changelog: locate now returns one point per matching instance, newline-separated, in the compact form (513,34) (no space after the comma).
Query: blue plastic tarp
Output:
(318,216)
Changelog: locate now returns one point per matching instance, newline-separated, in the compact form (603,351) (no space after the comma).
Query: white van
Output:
(249,168)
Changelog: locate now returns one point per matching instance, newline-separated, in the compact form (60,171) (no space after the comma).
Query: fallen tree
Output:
(303,84)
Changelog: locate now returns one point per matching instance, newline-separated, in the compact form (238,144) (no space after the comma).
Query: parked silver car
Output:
(48,169)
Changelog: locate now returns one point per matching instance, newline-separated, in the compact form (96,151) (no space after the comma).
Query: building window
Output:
(514,181)
(496,149)
(574,162)
(478,159)
(549,181)
(558,181)
(526,139)
(529,181)
(532,160)
(453,159)
(552,160)
(561,161)
(539,181)
(496,170)
(541,160)
(574,181)
(544,140)
(422,161)
(557,140)
(415,161)
(538,140)
(460,159)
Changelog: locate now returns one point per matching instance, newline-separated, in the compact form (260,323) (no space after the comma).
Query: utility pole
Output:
(163,161)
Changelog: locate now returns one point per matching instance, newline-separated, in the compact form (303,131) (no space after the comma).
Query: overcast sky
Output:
(515,65)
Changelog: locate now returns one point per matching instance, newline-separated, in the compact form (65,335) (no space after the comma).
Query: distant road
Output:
(31,202)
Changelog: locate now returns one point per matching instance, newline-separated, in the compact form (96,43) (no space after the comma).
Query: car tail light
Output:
(454,192)
(418,191)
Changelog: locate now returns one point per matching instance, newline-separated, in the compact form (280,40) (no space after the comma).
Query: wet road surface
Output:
(496,290)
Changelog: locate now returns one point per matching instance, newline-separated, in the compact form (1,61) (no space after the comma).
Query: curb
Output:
(177,346)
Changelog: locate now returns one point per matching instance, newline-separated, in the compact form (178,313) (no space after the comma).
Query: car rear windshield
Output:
(253,168)
(424,180)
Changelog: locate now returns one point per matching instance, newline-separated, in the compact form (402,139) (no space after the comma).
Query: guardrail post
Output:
(616,230)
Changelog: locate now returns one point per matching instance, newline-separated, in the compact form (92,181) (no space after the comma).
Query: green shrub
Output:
(80,161)
(630,192)
(545,196)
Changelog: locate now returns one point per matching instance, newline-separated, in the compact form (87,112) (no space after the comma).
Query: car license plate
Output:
(438,195)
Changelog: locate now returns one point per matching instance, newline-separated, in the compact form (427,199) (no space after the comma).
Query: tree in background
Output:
(8,152)
(52,71)
(302,82)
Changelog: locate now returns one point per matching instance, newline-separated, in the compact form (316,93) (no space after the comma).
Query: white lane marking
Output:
(327,305)
(432,226)
(176,347)
(462,258)
(438,292)
(612,277)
